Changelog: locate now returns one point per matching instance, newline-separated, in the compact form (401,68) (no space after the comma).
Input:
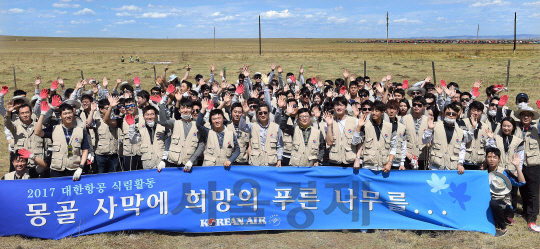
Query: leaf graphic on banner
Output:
(458,192)
(437,184)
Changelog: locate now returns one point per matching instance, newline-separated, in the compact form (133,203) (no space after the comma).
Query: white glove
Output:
(77,174)
(164,100)
(91,157)
(414,163)
(188,165)
(160,166)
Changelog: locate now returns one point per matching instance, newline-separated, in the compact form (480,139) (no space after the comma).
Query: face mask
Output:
(492,113)
(186,117)
(150,123)
(522,105)
(251,113)
(450,121)
(289,81)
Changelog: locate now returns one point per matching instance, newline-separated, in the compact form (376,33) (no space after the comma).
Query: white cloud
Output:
(440,18)
(227,18)
(126,22)
(60,12)
(216,14)
(61,31)
(85,12)
(89,0)
(14,11)
(179,26)
(487,3)
(129,8)
(79,22)
(156,15)
(309,16)
(458,21)
(65,5)
(124,14)
(535,4)
(338,8)
(65,1)
(362,21)
(105,30)
(337,20)
(47,16)
(272,14)
(405,20)
(535,15)
(151,6)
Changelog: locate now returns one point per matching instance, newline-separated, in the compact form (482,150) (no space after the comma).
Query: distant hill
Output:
(457,37)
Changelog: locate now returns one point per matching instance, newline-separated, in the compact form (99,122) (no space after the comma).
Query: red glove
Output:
(170,89)
(538,104)
(503,100)
(56,101)
(497,87)
(155,98)
(342,90)
(293,78)
(137,81)
(130,119)
(240,89)
(210,104)
(4,90)
(443,83)
(54,85)
(313,81)
(44,107)
(405,84)
(475,92)
(25,153)
(44,93)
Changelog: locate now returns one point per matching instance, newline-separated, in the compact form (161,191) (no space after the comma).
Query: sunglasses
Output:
(416,93)
(362,95)
(196,110)
(252,106)
(129,106)
(262,113)
(465,100)
(493,104)
(366,109)
(417,105)
(294,106)
(155,93)
(451,114)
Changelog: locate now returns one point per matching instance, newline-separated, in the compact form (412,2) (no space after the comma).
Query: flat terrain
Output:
(323,58)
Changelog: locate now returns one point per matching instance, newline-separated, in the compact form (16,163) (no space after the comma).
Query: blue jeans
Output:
(107,163)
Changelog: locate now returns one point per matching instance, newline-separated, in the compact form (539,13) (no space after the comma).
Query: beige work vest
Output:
(243,142)
(476,148)
(151,153)
(532,152)
(268,155)
(342,151)
(128,148)
(182,148)
(287,139)
(445,155)
(414,140)
(60,156)
(375,151)
(301,154)
(23,138)
(11,175)
(106,138)
(506,157)
(215,156)
(93,142)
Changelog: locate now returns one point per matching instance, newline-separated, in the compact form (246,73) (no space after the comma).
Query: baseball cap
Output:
(522,95)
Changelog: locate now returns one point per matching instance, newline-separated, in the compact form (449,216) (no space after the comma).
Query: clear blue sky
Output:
(287,19)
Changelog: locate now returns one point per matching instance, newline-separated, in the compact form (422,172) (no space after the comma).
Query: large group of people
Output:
(264,119)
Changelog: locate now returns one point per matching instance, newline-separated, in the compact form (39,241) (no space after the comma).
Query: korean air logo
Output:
(314,141)
(212,222)
(76,140)
(349,130)
(194,134)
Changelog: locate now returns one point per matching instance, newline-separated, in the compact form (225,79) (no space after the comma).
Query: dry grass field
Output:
(98,58)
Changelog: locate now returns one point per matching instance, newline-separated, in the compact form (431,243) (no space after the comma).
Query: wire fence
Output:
(255,51)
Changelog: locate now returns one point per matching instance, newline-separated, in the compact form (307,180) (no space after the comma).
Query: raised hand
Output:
(137,81)
(9,107)
(313,80)
(329,94)
(60,80)
(56,101)
(54,85)
(79,85)
(316,112)
(347,95)
(328,118)
(427,79)
(246,72)
(4,90)
(155,98)
(130,120)
(443,83)
(210,104)
(290,108)
(439,90)
(186,67)
(212,68)
(240,89)
(475,92)
(94,106)
(279,69)
(95,89)
(227,98)
(105,82)
(431,123)
(389,77)
(221,74)
(178,95)
(273,66)
(38,80)
(170,89)
(362,120)
(478,83)
(25,153)
(302,70)
(503,100)
(345,73)
(342,90)
(515,160)
(118,81)
(44,107)
(245,107)
(537,102)
(489,133)
(255,94)
(281,102)
(405,84)
(113,101)
(356,111)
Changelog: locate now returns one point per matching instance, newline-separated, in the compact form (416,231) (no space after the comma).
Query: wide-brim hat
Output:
(499,184)
(75,103)
(172,77)
(124,84)
(88,92)
(34,99)
(21,97)
(527,108)
(415,88)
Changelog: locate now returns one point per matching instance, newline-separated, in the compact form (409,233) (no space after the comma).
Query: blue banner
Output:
(246,198)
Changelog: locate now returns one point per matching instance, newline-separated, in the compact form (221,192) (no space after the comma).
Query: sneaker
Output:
(511,221)
(363,230)
(500,233)
(533,227)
